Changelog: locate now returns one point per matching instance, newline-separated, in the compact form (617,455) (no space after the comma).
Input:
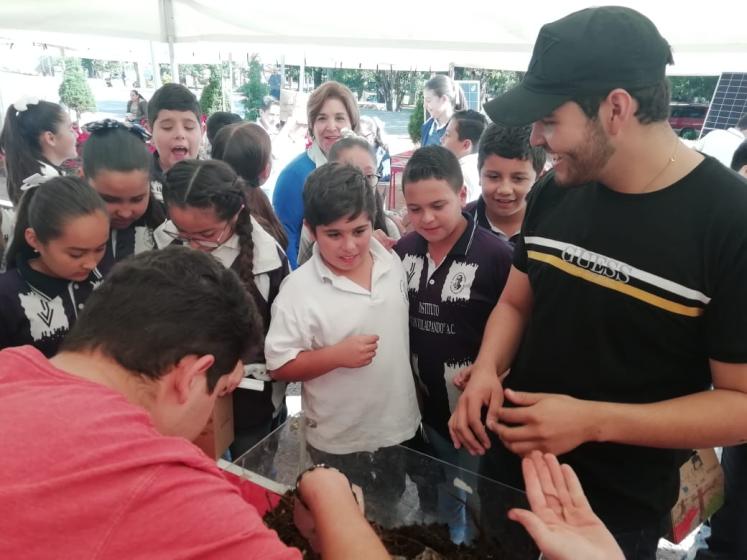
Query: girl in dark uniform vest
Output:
(116,163)
(59,239)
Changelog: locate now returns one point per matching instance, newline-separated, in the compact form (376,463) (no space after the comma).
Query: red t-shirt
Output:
(84,474)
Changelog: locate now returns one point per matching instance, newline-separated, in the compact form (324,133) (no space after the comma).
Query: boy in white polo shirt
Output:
(340,325)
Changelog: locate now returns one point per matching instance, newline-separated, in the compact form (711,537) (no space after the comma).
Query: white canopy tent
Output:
(707,37)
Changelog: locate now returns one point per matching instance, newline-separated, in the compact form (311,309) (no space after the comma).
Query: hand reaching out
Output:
(562,522)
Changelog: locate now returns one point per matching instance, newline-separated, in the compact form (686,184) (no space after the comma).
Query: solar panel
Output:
(471,89)
(729,102)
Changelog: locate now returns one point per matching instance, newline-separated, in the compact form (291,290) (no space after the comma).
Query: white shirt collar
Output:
(48,170)
(266,257)
(382,262)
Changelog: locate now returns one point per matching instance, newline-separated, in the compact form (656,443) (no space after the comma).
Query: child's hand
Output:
(384,239)
(357,350)
(462,377)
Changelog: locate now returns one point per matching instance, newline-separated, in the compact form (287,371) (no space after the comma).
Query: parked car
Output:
(687,118)
(371,101)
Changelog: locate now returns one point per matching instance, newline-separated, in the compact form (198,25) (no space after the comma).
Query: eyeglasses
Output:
(204,243)
(373,179)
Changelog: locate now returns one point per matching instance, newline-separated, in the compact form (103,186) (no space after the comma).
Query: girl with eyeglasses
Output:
(208,211)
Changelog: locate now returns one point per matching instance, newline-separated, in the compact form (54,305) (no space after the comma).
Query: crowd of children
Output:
(385,327)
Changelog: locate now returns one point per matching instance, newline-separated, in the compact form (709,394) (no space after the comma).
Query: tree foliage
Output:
(417,118)
(75,93)
(693,89)
(253,91)
(213,98)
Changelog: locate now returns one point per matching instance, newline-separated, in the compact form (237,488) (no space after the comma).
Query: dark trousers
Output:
(640,544)
(381,474)
(245,439)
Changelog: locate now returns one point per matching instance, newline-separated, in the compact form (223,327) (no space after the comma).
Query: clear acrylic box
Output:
(401,487)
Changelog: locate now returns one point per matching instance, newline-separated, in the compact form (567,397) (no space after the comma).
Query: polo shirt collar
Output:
(463,243)
(461,247)
(382,263)
(265,258)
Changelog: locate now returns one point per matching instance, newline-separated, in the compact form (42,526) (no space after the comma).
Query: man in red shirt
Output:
(95,457)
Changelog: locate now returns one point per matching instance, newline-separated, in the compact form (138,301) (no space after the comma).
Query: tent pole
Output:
(302,74)
(156,67)
(168,26)
(282,71)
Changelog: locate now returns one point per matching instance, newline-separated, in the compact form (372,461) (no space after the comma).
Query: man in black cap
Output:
(627,297)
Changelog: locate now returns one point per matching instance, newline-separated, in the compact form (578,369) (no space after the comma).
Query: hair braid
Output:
(245,260)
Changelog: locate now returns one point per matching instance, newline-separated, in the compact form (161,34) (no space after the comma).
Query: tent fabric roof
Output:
(706,38)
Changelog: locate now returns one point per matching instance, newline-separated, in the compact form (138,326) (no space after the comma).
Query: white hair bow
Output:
(34,181)
(22,104)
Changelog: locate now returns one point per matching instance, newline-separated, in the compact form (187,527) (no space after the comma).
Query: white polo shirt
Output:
(349,410)
(721,144)
(471,176)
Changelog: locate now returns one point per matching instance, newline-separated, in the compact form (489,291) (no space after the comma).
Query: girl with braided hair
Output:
(208,210)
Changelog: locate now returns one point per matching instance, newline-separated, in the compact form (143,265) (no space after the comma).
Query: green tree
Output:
(213,97)
(416,120)
(75,93)
(253,91)
(356,80)
(693,89)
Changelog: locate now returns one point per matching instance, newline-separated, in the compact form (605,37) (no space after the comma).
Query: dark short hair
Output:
(218,120)
(739,159)
(268,101)
(433,162)
(172,97)
(335,191)
(469,126)
(157,307)
(510,142)
(653,102)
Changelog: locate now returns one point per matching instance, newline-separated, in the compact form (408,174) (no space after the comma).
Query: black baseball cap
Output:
(590,51)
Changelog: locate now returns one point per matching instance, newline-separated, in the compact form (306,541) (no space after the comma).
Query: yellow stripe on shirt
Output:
(616,285)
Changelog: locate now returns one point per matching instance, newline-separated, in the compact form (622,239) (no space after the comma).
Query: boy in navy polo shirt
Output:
(456,272)
(508,165)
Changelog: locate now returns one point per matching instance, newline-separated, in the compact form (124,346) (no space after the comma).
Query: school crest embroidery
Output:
(458,284)
(143,240)
(46,316)
(414,269)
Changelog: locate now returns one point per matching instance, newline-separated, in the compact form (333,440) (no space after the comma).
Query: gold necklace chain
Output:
(669,162)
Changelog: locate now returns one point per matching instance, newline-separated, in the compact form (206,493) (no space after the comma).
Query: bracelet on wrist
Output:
(313,468)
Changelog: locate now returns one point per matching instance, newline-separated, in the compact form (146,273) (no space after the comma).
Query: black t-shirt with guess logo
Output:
(449,306)
(633,294)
